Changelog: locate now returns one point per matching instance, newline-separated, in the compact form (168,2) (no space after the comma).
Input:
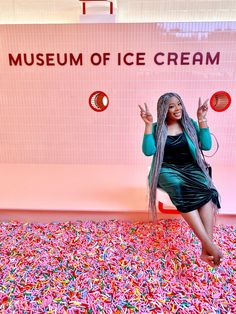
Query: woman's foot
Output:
(218,256)
(207,258)
(213,256)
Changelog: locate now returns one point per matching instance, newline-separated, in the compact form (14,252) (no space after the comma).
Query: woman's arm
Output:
(204,135)
(149,145)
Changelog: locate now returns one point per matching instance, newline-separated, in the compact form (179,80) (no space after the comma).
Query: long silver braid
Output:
(160,139)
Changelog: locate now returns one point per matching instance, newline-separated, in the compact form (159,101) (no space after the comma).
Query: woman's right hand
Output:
(146,115)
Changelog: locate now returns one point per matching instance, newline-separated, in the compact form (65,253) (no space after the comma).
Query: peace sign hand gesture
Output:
(202,109)
(146,115)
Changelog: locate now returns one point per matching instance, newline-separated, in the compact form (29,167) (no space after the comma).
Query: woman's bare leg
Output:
(207,214)
(195,222)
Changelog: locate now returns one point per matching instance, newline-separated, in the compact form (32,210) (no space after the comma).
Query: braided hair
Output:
(160,140)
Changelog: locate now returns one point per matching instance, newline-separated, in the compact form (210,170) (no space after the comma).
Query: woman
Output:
(177,167)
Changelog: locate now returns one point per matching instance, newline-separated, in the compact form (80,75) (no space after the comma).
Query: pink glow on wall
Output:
(45,117)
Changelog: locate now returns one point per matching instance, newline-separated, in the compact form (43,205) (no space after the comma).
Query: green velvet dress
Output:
(182,178)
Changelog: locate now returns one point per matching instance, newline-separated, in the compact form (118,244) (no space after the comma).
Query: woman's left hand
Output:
(202,109)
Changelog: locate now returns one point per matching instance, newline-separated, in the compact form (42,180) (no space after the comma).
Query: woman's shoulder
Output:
(195,124)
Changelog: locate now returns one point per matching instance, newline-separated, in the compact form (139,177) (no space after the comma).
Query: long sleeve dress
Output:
(180,175)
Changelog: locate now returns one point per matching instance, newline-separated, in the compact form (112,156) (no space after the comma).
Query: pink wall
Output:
(45,117)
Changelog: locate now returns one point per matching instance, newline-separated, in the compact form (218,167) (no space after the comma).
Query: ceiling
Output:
(128,11)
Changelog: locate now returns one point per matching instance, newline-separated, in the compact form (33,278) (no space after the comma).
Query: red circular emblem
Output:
(98,101)
(220,101)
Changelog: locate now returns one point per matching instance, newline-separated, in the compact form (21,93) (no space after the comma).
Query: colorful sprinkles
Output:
(113,267)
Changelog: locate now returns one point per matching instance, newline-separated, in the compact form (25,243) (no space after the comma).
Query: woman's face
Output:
(175,109)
